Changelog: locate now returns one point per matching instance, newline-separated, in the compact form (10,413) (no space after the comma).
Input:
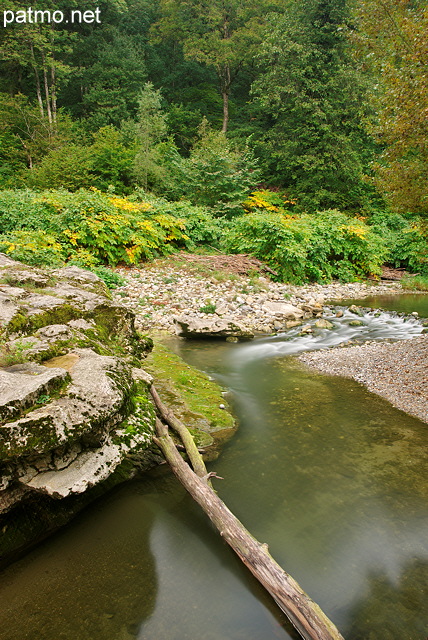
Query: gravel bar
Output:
(396,371)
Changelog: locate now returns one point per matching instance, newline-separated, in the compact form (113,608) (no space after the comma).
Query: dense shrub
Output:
(86,227)
(406,238)
(216,175)
(200,226)
(33,247)
(309,247)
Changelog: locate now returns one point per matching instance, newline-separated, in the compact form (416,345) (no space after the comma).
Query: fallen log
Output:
(306,616)
(189,444)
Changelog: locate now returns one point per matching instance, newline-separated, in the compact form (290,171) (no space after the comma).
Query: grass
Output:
(415,283)
(16,352)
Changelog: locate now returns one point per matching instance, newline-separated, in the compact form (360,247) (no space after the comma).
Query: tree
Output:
(33,57)
(151,129)
(217,175)
(392,42)
(311,99)
(222,34)
(103,89)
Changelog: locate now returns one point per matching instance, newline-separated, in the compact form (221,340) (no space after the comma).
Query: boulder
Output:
(322,323)
(211,327)
(283,310)
(71,408)
(21,385)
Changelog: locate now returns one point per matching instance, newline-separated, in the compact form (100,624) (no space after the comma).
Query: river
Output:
(328,474)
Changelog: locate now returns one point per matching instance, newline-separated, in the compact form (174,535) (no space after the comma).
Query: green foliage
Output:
(216,175)
(209,307)
(87,227)
(33,247)
(109,277)
(105,164)
(151,130)
(415,283)
(392,43)
(406,238)
(200,226)
(15,352)
(310,98)
(309,247)
(68,167)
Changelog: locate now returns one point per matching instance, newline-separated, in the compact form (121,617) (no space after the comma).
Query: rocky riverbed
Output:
(160,294)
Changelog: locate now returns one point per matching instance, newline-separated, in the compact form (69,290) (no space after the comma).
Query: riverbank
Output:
(395,371)
(185,285)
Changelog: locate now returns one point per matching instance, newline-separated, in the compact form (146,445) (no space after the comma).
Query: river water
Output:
(329,475)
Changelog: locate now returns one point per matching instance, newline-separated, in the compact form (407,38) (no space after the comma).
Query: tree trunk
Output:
(37,79)
(184,433)
(225,96)
(304,614)
(225,82)
(47,93)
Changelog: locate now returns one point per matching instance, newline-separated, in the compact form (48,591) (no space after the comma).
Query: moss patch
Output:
(193,397)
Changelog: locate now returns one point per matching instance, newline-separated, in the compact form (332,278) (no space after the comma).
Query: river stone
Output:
(22,384)
(357,310)
(213,327)
(322,323)
(283,309)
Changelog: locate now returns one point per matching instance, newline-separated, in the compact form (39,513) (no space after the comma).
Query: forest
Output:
(291,130)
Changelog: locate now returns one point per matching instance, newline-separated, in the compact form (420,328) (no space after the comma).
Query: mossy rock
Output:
(191,395)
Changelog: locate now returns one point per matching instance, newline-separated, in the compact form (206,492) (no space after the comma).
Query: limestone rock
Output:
(94,402)
(7,262)
(214,327)
(87,470)
(22,384)
(322,323)
(283,310)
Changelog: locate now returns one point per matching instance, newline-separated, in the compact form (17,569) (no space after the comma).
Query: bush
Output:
(200,226)
(217,176)
(406,238)
(86,227)
(415,283)
(109,277)
(309,247)
(33,247)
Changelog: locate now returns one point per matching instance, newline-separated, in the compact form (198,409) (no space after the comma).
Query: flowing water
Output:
(329,475)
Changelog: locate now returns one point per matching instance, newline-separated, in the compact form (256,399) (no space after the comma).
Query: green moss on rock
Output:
(193,397)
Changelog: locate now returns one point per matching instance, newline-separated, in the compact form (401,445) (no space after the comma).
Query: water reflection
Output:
(387,602)
(141,563)
(88,582)
(330,475)
(403,303)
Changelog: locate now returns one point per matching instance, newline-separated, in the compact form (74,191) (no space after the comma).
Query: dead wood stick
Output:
(186,437)
(307,617)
